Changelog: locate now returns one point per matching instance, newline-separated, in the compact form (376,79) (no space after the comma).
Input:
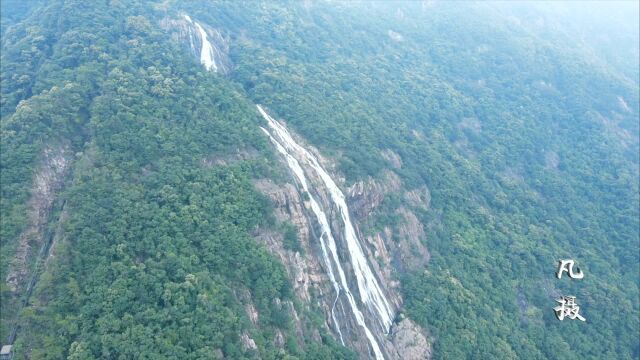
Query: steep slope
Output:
(526,143)
(420,169)
(154,255)
(377,311)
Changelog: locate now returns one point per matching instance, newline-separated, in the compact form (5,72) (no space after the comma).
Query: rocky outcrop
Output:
(47,180)
(279,339)
(288,206)
(400,250)
(309,280)
(252,313)
(410,249)
(230,158)
(392,157)
(366,195)
(410,342)
(247,342)
(403,245)
(303,268)
(418,198)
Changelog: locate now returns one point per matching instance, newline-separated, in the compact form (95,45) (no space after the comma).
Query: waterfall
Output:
(207,52)
(370,291)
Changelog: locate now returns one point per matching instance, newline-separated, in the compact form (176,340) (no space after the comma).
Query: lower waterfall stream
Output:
(371,293)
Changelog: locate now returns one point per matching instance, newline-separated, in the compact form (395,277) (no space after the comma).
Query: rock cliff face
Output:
(303,268)
(309,274)
(410,342)
(402,246)
(418,198)
(34,243)
(365,196)
(47,180)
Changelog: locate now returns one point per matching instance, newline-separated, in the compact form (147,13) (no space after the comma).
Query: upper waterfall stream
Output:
(207,53)
(371,293)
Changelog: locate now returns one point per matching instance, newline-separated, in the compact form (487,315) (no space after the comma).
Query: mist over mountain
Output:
(318,179)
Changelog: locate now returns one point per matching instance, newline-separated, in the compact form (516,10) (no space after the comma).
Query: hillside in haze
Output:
(318,179)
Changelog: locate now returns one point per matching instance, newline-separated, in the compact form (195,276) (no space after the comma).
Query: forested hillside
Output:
(489,141)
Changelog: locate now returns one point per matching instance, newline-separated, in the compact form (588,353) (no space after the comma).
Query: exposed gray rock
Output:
(364,196)
(232,158)
(304,269)
(47,180)
(410,342)
(394,159)
(247,342)
(279,340)
(411,249)
(419,198)
(252,312)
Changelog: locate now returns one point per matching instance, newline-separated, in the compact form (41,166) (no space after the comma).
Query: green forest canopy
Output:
(521,121)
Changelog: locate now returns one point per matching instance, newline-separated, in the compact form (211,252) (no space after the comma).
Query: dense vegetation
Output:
(158,256)
(523,140)
(527,142)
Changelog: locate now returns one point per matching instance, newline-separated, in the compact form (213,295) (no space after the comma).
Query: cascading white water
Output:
(207,53)
(320,215)
(370,292)
(192,44)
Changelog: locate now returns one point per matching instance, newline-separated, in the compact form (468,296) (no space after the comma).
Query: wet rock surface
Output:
(327,269)
(309,275)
